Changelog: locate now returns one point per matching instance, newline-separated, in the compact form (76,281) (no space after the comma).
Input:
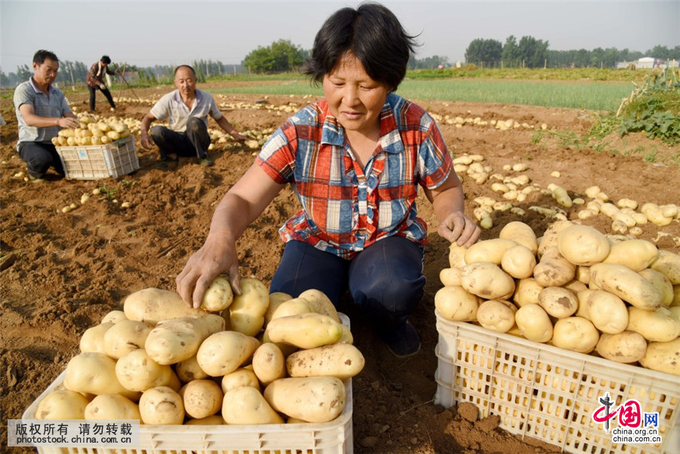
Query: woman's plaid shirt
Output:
(347,208)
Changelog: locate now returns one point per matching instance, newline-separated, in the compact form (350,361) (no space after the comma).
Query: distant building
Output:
(647,62)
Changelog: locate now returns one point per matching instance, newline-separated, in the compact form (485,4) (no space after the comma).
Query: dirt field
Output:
(68,270)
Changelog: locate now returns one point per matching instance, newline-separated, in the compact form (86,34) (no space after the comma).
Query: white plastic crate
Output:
(94,162)
(548,393)
(333,437)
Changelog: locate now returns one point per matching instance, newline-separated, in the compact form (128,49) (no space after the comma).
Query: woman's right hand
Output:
(210,261)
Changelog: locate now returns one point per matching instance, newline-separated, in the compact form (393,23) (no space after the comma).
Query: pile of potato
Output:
(92,132)
(574,288)
(253,358)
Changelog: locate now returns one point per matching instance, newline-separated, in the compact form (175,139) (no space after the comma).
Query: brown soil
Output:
(68,270)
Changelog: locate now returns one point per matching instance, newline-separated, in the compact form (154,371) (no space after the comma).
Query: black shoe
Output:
(206,161)
(405,342)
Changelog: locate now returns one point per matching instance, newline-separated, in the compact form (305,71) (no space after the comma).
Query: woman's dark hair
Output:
(42,55)
(373,34)
(106,59)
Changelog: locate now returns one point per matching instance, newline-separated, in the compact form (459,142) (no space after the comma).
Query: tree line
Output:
(530,52)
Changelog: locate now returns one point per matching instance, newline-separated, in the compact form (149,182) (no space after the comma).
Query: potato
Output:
(582,245)
(136,371)
(676,296)
(219,295)
(450,276)
(488,251)
(313,399)
(608,312)
(62,404)
(663,357)
(659,325)
(662,284)
(635,254)
(240,377)
(125,336)
(112,406)
(520,233)
(626,284)
(305,330)
(526,291)
(114,316)
(457,255)
(268,363)
(152,305)
(668,263)
(553,270)
(275,300)
(161,405)
(92,339)
(582,298)
(456,303)
(225,351)
(496,315)
(189,370)
(177,339)
(294,306)
(518,262)
(575,286)
(534,323)
(201,398)
(487,280)
(320,303)
(246,405)
(247,311)
(94,373)
(558,302)
(576,334)
(583,274)
(336,360)
(624,347)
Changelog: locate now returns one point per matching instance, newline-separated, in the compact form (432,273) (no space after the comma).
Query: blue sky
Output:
(172,32)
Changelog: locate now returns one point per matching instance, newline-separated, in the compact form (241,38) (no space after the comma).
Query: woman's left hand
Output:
(459,229)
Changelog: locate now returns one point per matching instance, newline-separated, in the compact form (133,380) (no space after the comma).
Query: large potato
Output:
(201,398)
(520,233)
(519,262)
(663,357)
(240,377)
(549,238)
(189,370)
(269,363)
(534,323)
(137,371)
(219,295)
(457,255)
(668,263)
(275,300)
(626,284)
(92,339)
(527,291)
(553,270)
(246,405)
(125,336)
(177,339)
(112,406)
(608,312)
(247,311)
(320,303)
(582,245)
(94,373)
(151,305)
(495,315)
(294,306)
(576,334)
(336,360)
(662,284)
(225,351)
(62,404)
(450,276)
(305,330)
(455,303)
(487,280)
(488,251)
(313,399)
(114,317)
(659,325)
(161,405)
(636,254)
(624,347)
(558,302)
